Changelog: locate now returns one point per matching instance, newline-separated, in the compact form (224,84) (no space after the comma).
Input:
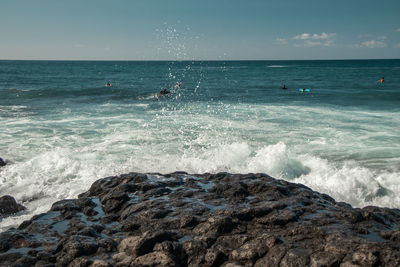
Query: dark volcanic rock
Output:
(8,206)
(2,163)
(203,220)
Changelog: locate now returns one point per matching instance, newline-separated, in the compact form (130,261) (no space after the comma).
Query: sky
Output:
(199,30)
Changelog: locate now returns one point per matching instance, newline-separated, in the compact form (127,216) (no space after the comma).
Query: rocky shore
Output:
(9,206)
(222,219)
(2,163)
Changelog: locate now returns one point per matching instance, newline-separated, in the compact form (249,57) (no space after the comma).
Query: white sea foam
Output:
(14,111)
(352,183)
(64,173)
(59,157)
(142,105)
(147,97)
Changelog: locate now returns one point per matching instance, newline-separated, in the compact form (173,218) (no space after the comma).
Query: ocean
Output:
(61,128)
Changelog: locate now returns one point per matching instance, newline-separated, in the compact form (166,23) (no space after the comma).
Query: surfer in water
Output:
(284,87)
(382,80)
(178,85)
(163,92)
(108,84)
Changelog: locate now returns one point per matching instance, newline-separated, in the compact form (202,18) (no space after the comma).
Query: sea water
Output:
(61,128)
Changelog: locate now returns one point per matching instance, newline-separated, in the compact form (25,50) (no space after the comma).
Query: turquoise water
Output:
(62,128)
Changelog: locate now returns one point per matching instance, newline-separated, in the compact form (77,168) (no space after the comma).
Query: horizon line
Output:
(197,60)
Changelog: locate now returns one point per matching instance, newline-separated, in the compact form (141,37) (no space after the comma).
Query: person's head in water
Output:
(284,87)
(108,84)
(382,80)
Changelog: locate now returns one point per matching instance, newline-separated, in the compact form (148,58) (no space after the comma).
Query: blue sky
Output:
(188,29)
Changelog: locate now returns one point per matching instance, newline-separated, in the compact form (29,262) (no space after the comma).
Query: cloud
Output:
(398,30)
(281,41)
(303,36)
(315,36)
(323,39)
(396,45)
(373,44)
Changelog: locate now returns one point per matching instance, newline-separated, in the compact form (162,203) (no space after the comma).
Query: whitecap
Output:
(277,66)
(351,183)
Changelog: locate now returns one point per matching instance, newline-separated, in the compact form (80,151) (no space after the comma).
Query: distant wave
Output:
(147,97)
(277,66)
(18,90)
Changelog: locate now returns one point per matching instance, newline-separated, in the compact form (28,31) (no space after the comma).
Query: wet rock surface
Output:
(219,219)
(2,163)
(9,206)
